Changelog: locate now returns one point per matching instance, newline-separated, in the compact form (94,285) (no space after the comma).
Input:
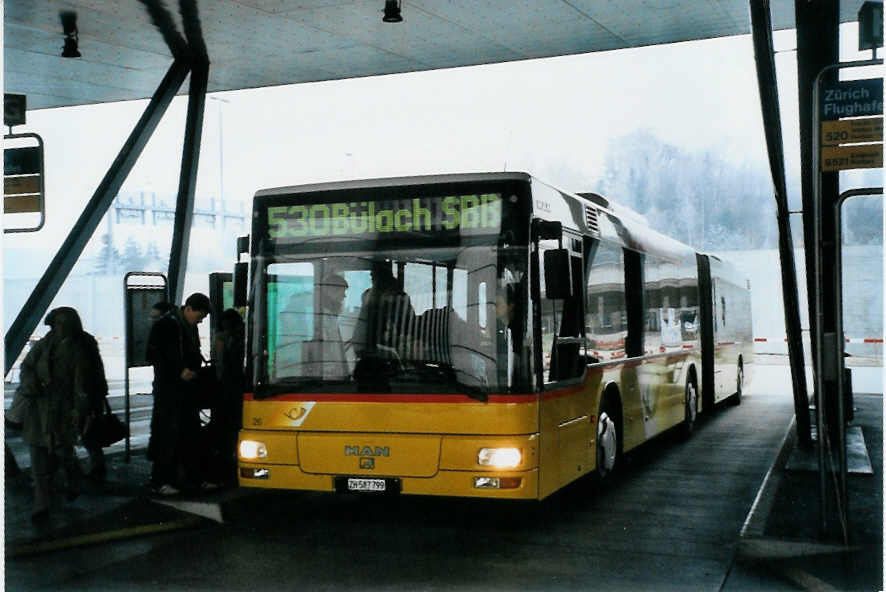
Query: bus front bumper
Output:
(501,485)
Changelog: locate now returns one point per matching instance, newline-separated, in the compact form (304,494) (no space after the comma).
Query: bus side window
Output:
(606,310)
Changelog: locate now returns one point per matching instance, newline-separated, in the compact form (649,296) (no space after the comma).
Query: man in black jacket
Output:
(174,351)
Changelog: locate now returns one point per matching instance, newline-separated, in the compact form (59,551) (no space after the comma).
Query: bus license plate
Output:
(366,484)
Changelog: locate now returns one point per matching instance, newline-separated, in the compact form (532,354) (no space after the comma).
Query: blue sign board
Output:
(852,98)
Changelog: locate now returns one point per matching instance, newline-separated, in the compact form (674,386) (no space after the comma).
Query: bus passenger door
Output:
(565,407)
(719,357)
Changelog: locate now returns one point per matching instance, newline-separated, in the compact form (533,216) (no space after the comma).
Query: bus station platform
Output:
(779,548)
(119,507)
(783,540)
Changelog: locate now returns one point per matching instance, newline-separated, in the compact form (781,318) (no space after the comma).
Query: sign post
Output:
(837,145)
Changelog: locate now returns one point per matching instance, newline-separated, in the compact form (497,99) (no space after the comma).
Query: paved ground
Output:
(719,512)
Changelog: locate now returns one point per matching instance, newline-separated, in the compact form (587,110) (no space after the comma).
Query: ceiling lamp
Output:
(72,37)
(392,12)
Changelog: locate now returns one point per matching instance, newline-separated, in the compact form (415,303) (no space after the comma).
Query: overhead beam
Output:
(184,207)
(57,271)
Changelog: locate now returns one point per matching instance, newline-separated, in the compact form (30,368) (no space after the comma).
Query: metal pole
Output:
(68,253)
(127,314)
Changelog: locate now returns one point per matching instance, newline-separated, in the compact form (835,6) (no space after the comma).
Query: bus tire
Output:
(739,385)
(608,438)
(690,409)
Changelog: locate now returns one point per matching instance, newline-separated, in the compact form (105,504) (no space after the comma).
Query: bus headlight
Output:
(500,458)
(251,449)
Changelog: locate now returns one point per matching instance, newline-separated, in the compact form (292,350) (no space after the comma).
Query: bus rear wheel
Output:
(739,385)
(690,410)
(607,441)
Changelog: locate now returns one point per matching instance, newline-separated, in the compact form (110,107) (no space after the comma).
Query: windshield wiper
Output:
(296,383)
(448,374)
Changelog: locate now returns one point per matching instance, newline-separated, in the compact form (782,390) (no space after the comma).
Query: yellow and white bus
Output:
(483,335)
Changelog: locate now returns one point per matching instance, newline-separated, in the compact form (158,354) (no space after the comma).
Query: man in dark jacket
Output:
(174,351)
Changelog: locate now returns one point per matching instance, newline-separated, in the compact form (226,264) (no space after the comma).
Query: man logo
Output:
(367,462)
(367,451)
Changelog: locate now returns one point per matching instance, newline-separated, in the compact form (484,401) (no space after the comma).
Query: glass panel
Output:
(862,261)
(391,321)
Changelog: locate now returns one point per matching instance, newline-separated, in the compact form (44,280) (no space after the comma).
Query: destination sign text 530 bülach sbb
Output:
(477,212)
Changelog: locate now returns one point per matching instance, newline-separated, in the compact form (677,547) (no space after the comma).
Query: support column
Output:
(184,208)
(817,47)
(60,266)
(761,26)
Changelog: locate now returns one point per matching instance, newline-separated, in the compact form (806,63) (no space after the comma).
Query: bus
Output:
(474,335)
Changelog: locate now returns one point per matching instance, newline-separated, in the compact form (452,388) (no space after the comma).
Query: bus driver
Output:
(383,326)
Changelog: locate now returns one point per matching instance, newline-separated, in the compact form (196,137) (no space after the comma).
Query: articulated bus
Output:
(481,335)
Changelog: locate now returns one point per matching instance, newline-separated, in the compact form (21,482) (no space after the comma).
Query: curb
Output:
(100,537)
(753,543)
(755,522)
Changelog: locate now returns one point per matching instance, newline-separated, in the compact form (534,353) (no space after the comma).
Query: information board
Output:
(851,131)
(23,183)
(139,301)
(861,156)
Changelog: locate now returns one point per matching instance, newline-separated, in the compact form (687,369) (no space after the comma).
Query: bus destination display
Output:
(475,212)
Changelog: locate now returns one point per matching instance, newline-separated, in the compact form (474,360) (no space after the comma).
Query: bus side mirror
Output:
(546,230)
(558,276)
(241,280)
(242,245)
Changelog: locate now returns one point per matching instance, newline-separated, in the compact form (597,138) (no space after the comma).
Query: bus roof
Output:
(395,181)
(634,233)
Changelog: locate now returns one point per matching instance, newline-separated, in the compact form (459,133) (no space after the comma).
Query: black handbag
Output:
(103,429)
(206,386)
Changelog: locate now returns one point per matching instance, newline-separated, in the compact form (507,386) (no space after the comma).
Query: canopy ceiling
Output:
(256,43)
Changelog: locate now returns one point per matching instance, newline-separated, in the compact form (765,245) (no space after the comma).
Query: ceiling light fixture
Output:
(392,12)
(72,36)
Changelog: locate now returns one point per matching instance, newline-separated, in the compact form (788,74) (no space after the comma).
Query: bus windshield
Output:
(426,320)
